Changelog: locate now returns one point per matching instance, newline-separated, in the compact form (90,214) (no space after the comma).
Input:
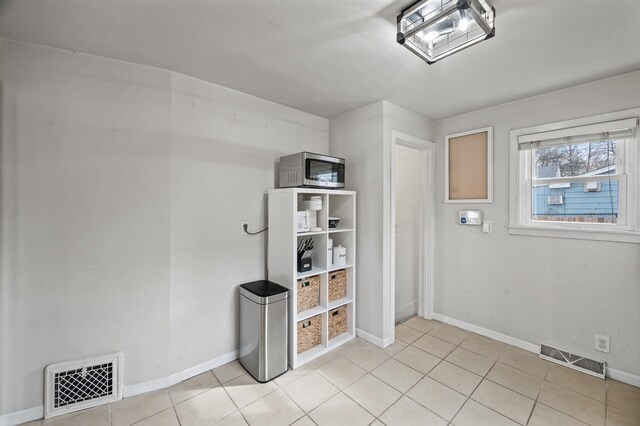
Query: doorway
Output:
(411,242)
(407,230)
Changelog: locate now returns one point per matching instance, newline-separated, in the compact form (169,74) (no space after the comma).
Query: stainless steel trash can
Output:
(264,329)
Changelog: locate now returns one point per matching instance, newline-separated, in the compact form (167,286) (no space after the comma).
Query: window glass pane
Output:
(583,159)
(592,202)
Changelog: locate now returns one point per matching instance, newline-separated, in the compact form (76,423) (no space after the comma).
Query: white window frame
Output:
(628,162)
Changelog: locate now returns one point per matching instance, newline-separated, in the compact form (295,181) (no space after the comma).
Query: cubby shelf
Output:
(339,302)
(312,272)
(283,241)
(310,313)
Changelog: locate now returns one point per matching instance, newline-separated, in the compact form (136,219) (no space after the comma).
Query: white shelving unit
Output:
(283,241)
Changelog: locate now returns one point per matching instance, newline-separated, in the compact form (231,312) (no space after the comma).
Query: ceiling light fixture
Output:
(435,29)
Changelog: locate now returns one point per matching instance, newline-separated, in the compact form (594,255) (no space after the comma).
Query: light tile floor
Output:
(434,374)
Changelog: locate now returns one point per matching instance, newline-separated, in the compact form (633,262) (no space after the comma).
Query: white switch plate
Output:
(603,343)
(487,227)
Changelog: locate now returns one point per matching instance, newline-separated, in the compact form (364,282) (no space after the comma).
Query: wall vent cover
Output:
(76,385)
(577,362)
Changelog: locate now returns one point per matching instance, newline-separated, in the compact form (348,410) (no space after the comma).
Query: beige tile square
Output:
(524,361)
(434,346)
(576,381)
(310,391)
(229,371)
(406,412)
(292,375)
(474,414)
(616,417)
(421,324)
(341,372)
(234,419)
(205,409)
(372,394)
(329,356)
(624,397)
(449,333)
(470,361)
(574,404)
(98,416)
(244,390)
(398,375)
(505,401)
(341,410)
(417,359)
(438,398)
(366,357)
(163,418)
(131,410)
(484,346)
(304,421)
(407,334)
(516,380)
(192,387)
(547,416)
(396,347)
(274,409)
(455,377)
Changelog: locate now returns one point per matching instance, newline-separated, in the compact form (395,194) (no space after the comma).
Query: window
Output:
(577,179)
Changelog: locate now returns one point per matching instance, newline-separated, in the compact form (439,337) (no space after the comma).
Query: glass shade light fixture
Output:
(435,29)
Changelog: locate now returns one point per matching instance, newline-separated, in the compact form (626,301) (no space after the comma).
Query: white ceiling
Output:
(329,56)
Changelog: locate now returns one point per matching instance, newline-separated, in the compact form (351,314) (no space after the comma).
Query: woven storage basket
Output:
(337,321)
(337,285)
(308,293)
(309,333)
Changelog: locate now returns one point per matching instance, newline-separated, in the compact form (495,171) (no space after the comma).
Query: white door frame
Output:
(426,226)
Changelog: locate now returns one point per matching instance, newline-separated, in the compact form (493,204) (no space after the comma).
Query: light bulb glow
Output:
(430,36)
(464,24)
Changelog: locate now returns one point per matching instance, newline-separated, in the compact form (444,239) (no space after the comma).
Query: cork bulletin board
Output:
(469,167)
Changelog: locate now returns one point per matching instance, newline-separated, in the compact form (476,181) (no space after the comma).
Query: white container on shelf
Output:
(339,256)
(330,249)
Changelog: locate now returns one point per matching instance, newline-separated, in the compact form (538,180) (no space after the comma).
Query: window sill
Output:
(576,234)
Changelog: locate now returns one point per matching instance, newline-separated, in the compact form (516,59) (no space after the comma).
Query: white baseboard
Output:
(373,339)
(23,416)
(488,333)
(36,413)
(621,376)
(407,311)
(165,382)
(624,377)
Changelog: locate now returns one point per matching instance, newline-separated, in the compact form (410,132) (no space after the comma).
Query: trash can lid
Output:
(264,291)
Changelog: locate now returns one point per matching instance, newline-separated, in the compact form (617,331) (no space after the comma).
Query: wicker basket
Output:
(309,333)
(337,285)
(308,293)
(337,321)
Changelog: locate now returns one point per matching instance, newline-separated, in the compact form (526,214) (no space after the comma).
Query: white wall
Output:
(357,136)
(407,229)
(363,136)
(552,290)
(122,191)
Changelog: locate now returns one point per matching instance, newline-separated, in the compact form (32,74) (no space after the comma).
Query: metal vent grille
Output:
(577,362)
(82,384)
(76,385)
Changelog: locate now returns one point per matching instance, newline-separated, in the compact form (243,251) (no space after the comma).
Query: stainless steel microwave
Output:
(311,170)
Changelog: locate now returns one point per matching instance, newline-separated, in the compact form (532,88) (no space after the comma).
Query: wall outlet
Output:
(242,225)
(603,343)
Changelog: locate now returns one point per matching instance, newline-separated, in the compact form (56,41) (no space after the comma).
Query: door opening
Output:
(408,200)
(411,258)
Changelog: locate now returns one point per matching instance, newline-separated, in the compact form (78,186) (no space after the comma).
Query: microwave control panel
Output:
(470,217)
